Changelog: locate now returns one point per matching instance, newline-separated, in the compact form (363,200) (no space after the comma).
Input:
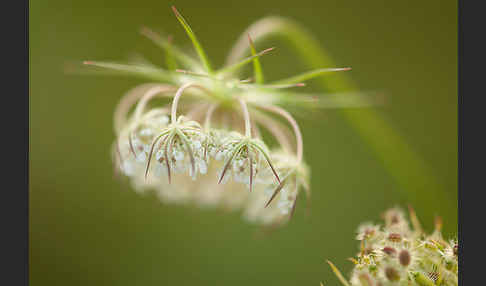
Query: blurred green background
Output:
(86,228)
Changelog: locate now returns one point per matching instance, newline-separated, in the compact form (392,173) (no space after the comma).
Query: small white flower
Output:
(128,168)
(196,145)
(141,157)
(396,259)
(159,155)
(178,155)
(162,121)
(201,166)
(146,132)
(367,230)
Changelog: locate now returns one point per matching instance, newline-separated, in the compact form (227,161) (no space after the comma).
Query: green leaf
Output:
(170,60)
(270,86)
(332,100)
(166,44)
(143,71)
(257,67)
(240,64)
(316,101)
(195,42)
(338,274)
(308,75)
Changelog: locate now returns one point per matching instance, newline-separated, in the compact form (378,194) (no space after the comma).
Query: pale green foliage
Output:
(395,254)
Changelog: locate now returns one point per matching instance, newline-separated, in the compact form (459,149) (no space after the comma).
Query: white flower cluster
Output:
(204,158)
(185,163)
(394,254)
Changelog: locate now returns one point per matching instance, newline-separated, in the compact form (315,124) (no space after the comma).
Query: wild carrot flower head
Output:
(204,145)
(394,254)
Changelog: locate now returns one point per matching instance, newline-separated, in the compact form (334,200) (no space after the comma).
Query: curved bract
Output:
(214,155)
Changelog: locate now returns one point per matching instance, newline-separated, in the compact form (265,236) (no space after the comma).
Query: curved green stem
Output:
(151,93)
(177,96)
(209,114)
(277,129)
(403,163)
(293,123)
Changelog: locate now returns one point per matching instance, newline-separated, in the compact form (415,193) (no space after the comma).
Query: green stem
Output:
(402,162)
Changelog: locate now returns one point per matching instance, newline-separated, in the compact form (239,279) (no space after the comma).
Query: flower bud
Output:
(392,274)
(404,257)
(395,237)
(389,250)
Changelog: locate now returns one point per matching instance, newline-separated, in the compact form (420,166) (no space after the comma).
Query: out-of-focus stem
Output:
(127,101)
(209,115)
(277,130)
(177,96)
(151,93)
(246,116)
(293,123)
